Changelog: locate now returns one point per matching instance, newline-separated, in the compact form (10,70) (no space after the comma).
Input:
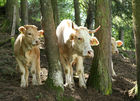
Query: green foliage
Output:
(66,10)
(2,2)
(122,18)
(34,12)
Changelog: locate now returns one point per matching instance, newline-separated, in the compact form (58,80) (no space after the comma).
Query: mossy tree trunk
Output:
(99,77)
(90,14)
(24,12)
(136,28)
(55,12)
(55,79)
(9,12)
(77,12)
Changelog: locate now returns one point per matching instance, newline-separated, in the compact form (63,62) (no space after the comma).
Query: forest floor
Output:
(10,89)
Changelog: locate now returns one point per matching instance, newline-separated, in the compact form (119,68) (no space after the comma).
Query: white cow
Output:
(114,45)
(74,42)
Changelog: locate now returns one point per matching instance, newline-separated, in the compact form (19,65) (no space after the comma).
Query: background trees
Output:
(24,12)
(77,12)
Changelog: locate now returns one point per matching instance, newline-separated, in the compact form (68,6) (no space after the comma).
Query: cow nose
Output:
(90,53)
(117,52)
(37,42)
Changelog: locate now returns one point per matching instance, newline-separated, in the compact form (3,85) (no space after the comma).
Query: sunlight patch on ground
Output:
(129,80)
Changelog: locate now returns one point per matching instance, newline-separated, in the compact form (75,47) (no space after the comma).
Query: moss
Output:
(50,85)
(12,41)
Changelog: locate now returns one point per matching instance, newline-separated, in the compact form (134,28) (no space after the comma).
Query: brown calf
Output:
(27,53)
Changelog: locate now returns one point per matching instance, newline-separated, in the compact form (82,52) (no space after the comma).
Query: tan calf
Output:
(27,53)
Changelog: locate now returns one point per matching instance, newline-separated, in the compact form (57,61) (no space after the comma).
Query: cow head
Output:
(82,41)
(115,44)
(31,34)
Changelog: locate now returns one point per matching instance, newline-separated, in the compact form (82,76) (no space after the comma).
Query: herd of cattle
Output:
(75,43)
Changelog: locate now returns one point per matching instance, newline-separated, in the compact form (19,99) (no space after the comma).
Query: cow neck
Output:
(26,45)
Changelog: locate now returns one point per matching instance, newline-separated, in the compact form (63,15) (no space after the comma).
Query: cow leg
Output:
(80,71)
(35,71)
(71,76)
(112,70)
(38,72)
(26,75)
(67,75)
(68,71)
(22,70)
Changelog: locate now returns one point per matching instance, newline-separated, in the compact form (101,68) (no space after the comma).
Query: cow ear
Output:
(41,33)
(119,43)
(94,41)
(72,36)
(22,29)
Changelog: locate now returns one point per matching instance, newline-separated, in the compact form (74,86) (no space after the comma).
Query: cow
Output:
(74,41)
(114,45)
(27,53)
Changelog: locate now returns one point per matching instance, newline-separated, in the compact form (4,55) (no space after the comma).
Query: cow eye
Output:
(29,34)
(79,38)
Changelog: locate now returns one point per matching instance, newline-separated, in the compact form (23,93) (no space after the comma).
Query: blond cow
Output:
(27,53)
(114,45)
(74,41)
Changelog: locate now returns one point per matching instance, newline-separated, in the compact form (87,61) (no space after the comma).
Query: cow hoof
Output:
(23,85)
(83,86)
(71,86)
(35,83)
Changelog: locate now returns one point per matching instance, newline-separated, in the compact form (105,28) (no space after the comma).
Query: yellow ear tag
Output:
(41,35)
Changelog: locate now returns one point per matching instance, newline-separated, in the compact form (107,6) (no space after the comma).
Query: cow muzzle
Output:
(90,53)
(36,42)
(115,52)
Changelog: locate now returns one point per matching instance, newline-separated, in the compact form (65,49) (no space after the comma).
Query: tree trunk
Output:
(136,27)
(24,12)
(9,12)
(55,12)
(55,79)
(13,27)
(99,77)
(90,15)
(77,12)
(121,34)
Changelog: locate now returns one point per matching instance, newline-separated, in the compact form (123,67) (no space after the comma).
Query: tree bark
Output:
(55,12)
(100,77)
(77,12)
(90,15)
(55,79)
(13,27)
(24,12)
(9,12)
(121,34)
(136,27)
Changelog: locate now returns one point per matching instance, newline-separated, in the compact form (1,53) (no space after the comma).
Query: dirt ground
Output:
(10,89)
